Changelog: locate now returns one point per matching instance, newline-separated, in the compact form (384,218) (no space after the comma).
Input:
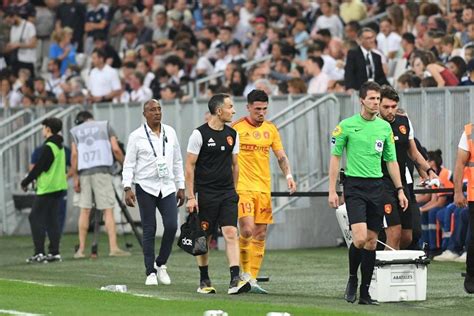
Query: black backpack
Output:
(193,239)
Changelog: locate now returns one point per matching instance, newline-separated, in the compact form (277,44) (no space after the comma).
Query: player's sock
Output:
(256,256)
(355,257)
(234,272)
(204,273)
(244,244)
(367,269)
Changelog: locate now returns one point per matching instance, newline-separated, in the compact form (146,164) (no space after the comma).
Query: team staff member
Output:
(464,159)
(211,175)
(50,173)
(399,223)
(92,150)
(368,140)
(153,162)
(256,137)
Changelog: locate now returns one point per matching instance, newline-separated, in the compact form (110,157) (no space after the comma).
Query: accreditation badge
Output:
(161,167)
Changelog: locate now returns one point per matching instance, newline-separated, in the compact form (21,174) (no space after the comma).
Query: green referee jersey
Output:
(366,143)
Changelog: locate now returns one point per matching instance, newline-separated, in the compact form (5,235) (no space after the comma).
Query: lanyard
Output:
(151,144)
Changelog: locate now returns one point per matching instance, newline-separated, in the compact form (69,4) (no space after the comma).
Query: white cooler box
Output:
(398,275)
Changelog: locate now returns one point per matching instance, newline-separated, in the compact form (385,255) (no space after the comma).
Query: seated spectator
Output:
(144,33)
(469,81)
(428,82)
(7,96)
(297,86)
(457,65)
(319,80)
(300,36)
(408,80)
(104,82)
(139,93)
(40,90)
(62,49)
(260,43)
(240,31)
(388,42)
(468,52)
(171,92)
(328,20)
(449,48)
(178,26)
(151,11)
(144,69)
(73,90)
(174,67)
(425,64)
(112,57)
(129,40)
(337,87)
(53,78)
(161,29)
(238,82)
(459,236)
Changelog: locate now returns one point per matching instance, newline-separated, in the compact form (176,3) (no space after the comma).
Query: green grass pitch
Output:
(302,282)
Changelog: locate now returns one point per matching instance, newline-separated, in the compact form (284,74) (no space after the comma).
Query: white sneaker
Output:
(151,279)
(447,255)
(162,275)
(462,258)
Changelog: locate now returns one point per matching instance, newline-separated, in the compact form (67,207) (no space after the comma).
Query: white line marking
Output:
(29,282)
(13,312)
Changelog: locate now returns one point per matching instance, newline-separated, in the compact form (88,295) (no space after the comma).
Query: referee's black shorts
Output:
(364,201)
(393,212)
(217,208)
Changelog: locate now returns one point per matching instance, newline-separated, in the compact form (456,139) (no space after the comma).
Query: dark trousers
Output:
(44,217)
(470,246)
(169,214)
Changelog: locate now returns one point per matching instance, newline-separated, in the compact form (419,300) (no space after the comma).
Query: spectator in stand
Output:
(225,35)
(96,23)
(457,66)
(260,43)
(328,20)
(144,68)
(150,12)
(388,42)
(247,12)
(428,82)
(53,79)
(62,49)
(240,31)
(161,29)
(275,15)
(121,18)
(363,64)
(425,64)
(171,92)
(300,37)
(319,80)
(129,40)
(212,34)
(41,92)
(469,81)
(351,30)
(352,10)
(421,27)
(112,57)
(408,80)
(218,18)
(6,94)
(178,26)
(144,33)
(297,86)
(238,82)
(104,81)
(21,49)
(44,24)
(181,6)
(174,67)
(139,93)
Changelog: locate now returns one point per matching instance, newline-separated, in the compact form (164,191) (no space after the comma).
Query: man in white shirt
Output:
(153,162)
(22,43)
(139,93)
(388,42)
(328,20)
(320,80)
(104,82)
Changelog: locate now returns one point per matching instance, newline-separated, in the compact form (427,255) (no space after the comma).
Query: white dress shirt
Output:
(140,165)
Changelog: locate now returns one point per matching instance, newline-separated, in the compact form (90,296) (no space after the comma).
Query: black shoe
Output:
(351,290)
(38,258)
(469,284)
(367,301)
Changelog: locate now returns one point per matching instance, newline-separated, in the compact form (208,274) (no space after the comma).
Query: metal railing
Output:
(14,156)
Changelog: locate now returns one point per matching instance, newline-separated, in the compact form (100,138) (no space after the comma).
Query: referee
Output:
(211,176)
(367,140)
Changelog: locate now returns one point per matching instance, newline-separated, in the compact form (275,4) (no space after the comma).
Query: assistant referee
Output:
(367,140)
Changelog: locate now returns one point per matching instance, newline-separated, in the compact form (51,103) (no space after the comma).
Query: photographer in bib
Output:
(153,162)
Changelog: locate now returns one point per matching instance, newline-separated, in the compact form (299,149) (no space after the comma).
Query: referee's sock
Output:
(367,269)
(204,273)
(355,255)
(244,244)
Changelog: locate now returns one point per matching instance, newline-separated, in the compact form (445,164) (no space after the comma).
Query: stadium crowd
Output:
(51,51)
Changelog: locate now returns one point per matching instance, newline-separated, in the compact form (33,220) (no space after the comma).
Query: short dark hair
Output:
(436,157)
(174,60)
(100,52)
(368,86)
(324,32)
(409,37)
(354,25)
(257,96)
(388,92)
(54,124)
(83,116)
(317,60)
(216,102)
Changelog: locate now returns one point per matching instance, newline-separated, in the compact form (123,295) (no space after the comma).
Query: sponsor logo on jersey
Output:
(211,143)
(230,140)
(256,135)
(387,208)
(337,131)
(403,129)
(266,134)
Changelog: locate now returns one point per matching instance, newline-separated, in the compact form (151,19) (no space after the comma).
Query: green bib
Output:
(54,179)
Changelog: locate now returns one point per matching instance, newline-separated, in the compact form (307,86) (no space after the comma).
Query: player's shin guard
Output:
(256,256)
(244,244)
(366,269)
